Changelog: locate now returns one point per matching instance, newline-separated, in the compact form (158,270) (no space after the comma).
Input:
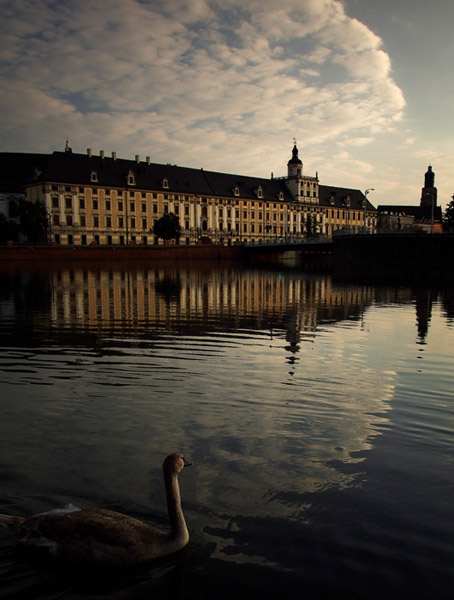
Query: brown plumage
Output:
(103,537)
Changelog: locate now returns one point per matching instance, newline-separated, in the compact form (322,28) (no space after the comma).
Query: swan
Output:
(101,537)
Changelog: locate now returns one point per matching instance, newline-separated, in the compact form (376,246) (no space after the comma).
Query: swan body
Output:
(102,537)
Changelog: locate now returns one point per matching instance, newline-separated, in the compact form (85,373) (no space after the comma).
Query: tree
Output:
(33,220)
(167,227)
(9,230)
(448,216)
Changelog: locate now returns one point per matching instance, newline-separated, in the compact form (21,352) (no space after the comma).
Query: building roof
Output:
(336,197)
(67,167)
(17,169)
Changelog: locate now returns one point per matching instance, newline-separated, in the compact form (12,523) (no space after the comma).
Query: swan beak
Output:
(186,462)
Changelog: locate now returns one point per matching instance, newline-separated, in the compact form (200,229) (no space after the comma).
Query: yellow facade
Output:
(287,208)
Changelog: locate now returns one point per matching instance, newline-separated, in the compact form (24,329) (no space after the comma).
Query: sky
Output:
(364,87)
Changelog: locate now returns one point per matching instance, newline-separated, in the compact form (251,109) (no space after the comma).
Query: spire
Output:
(429,177)
(294,160)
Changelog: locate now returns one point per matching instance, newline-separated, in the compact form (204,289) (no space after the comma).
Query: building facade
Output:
(95,199)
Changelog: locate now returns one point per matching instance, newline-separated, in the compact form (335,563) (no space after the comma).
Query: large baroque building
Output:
(99,199)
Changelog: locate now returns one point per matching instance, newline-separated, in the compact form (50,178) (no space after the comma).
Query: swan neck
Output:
(176,517)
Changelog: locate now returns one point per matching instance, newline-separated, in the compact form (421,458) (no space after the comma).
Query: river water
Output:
(318,416)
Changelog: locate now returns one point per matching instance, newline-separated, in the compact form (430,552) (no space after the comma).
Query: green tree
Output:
(167,227)
(33,220)
(448,216)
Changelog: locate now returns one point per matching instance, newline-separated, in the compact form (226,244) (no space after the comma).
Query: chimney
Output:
(148,160)
(137,158)
(101,154)
(89,152)
(114,156)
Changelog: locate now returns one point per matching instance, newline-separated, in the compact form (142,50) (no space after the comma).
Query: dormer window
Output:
(331,200)
(165,183)
(259,192)
(236,191)
(131,178)
(94,177)
(347,201)
(281,196)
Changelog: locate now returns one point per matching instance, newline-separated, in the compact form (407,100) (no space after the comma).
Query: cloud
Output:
(181,79)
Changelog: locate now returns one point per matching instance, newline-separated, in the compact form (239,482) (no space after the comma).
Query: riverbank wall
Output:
(117,253)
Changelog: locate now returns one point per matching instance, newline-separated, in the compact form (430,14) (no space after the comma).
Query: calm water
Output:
(318,415)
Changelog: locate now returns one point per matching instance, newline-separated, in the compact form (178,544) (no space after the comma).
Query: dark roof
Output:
(337,198)
(420,213)
(17,169)
(67,167)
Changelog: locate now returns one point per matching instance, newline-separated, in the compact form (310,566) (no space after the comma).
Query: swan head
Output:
(175,462)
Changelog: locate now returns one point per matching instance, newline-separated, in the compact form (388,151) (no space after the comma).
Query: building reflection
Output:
(117,300)
(188,300)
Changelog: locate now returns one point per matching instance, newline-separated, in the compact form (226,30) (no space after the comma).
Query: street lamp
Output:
(365,206)
(432,212)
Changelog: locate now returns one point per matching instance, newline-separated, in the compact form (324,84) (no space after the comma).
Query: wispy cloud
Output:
(191,81)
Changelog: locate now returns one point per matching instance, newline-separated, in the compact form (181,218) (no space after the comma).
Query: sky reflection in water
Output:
(303,403)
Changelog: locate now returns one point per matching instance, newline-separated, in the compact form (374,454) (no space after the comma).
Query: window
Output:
(108,221)
(177,209)
(237,213)
(95,204)
(132,206)
(68,203)
(244,214)
(144,223)
(166,208)
(54,202)
(133,223)
(93,177)
(186,224)
(120,206)
(82,221)
(82,203)
(95,221)
(186,209)
(155,209)
(236,191)
(69,220)
(56,220)
(108,205)
(131,178)
(120,222)
(144,207)
(165,184)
